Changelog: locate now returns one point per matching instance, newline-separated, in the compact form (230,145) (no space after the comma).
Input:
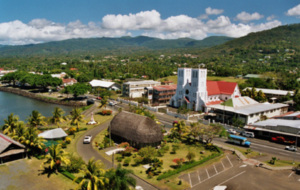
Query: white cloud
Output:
(246,17)
(211,11)
(295,11)
(148,23)
(141,20)
(272,17)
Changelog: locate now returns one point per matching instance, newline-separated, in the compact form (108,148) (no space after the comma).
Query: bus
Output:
(239,140)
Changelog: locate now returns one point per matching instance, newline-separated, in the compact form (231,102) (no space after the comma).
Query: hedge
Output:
(69,175)
(188,166)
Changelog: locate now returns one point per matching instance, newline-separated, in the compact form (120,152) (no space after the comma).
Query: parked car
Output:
(87,139)
(231,131)
(247,134)
(99,98)
(112,103)
(291,148)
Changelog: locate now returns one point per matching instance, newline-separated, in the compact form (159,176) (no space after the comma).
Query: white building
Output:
(104,84)
(136,89)
(194,91)
(246,110)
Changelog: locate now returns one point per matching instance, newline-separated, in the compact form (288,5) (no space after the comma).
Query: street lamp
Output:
(296,147)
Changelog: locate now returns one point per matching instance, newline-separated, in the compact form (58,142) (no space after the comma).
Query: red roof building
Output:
(163,93)
(69,81)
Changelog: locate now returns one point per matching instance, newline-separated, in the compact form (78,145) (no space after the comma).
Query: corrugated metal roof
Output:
(272,91)
(142,82)
(220,87)
(250,108)
(278,122)
(53,134)
(101,83)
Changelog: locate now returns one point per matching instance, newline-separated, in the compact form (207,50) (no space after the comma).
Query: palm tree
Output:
(10,124)
(36,119)
(19,133)
(104,102)
(120,179)
(32,141)
(58,116)
(56,156)
(93,178)
(76,117)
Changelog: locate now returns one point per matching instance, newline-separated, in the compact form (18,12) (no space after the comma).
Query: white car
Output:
(87,139)
(112,103)
(291,148)
(231,131)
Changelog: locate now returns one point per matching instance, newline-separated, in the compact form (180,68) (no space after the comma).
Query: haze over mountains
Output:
(96,45)
(287,36)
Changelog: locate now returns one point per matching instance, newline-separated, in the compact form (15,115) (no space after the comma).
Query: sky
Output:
(38,21)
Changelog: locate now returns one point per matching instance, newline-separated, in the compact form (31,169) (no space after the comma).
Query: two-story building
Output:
(136,89)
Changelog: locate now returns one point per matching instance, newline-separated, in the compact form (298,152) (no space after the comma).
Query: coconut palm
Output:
(36,119)
(19,133)
(58,116)
(120,178)
(32,141)
(10,124)
(104,102)
(76,117)
(56,157)
(93,177)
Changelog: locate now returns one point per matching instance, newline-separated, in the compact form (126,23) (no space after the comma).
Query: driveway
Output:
(86,151)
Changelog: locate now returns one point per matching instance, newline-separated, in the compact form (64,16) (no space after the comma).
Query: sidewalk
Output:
(251,161)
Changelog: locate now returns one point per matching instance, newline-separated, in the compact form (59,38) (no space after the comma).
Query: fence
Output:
(128,102)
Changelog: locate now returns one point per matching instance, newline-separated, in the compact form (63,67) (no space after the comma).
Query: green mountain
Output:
(109,45)
(265,42)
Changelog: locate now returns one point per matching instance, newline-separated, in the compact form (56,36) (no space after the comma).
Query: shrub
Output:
(126,161)
(128,151)
(68,140)
(119,158)
(187,166)
(75,164)
(124,145)
(138,160)
(72,131)
(105,112)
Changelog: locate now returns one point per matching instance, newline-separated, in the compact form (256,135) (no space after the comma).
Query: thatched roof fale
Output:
(136,128)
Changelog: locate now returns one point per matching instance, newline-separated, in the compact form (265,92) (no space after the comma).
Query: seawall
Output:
(40,97)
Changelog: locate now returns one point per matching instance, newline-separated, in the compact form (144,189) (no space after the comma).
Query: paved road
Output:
(268,148)
(86,151)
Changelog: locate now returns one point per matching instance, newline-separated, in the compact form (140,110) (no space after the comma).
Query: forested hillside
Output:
(109,46)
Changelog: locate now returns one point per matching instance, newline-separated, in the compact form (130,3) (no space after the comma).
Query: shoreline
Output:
(39,97)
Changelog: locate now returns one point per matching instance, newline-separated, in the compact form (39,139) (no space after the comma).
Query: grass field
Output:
(28,174)
(280,163)
(214,78)
(171,182)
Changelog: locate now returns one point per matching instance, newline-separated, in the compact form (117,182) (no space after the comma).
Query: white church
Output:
(194,91)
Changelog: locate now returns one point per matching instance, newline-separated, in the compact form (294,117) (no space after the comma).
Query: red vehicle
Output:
(99,98)
(283,140)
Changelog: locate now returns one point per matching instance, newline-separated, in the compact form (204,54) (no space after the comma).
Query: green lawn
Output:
(214,78)
(28,174)
(280,163)
(171,182)
(243,150)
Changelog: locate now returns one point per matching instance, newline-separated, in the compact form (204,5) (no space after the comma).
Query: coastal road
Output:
(267,147)
(86,151)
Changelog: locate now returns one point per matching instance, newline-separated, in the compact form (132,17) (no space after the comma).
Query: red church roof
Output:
(220,87)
